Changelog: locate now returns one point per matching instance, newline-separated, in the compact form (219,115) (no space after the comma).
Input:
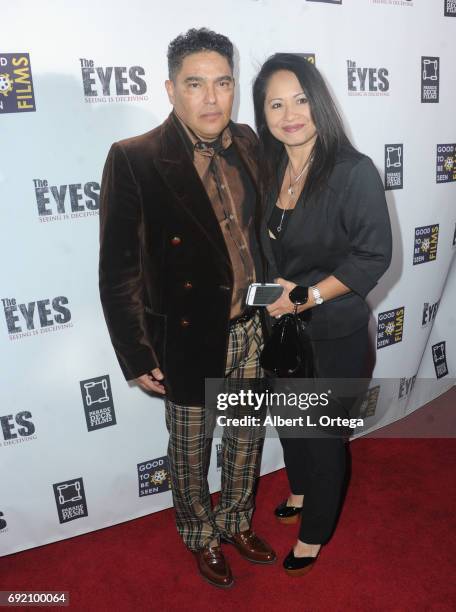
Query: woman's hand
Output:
(283,305)
(330,288)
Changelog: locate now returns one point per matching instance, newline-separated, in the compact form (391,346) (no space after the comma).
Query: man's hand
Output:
(151,381)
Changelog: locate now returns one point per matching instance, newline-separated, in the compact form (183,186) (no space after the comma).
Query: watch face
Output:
(299,295)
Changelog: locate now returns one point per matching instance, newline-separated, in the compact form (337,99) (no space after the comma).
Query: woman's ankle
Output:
(295,500)
(302,549)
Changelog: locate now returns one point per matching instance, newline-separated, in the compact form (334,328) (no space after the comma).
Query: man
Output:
(179,245)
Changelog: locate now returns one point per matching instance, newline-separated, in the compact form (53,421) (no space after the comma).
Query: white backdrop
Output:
(80,449)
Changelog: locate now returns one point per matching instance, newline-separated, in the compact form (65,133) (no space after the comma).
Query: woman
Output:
(329,227)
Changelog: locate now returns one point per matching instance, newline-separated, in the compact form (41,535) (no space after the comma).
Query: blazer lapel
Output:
(177,170)
(271,201)
(274,192)
(298,217)
(244,148)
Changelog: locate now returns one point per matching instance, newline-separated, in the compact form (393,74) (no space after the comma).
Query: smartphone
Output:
(259,294)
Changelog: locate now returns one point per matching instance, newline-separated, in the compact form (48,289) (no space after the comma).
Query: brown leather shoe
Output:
(251,547)
(213,566)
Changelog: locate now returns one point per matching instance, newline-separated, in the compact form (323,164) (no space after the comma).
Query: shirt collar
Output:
(207,149)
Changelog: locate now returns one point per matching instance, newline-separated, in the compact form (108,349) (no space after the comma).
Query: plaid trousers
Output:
(189,452)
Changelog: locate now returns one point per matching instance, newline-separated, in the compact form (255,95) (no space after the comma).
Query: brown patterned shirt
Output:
(228,186)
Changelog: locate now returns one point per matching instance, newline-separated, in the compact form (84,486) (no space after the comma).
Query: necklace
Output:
(290,190)
(279,227)
(293,183)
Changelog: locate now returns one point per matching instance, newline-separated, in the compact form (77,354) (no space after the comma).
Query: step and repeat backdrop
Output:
(80,448)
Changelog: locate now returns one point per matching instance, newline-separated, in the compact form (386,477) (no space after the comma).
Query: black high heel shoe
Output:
(287,514)
(298,566)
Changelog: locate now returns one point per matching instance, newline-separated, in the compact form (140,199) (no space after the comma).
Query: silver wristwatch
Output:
(317,295)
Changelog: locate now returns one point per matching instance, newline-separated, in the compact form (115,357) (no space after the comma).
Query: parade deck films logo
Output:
(430,79)
(429,313)
(367,81)
(17,428)
(450,8)
(98,402)
(446,163)
(3,523)
(390,327)
(38,317)
(70,499)
(426,242)
(63,202)
(369,404)
(439,359)
(405,387)
(112,83)
(16,83)
(153,476)
(394,166)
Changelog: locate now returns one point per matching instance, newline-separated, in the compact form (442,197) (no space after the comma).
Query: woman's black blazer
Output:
(345,231)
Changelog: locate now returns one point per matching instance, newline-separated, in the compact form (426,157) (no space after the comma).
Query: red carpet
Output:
(394,549)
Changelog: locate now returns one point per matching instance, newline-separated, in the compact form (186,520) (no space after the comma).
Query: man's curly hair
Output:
(195,41)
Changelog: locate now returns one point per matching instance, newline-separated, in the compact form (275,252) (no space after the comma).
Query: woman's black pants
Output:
(316,466)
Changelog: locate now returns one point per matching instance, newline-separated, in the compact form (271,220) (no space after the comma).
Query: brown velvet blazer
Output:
(165,274)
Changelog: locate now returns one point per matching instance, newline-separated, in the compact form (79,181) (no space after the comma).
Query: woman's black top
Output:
(344,231)
(278,219)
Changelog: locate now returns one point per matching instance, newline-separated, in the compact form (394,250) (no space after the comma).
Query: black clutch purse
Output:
(288,351)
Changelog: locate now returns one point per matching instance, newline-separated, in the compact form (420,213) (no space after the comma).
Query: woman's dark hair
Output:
(330,131)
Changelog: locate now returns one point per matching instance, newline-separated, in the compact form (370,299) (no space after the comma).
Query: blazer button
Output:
(185,322)
(188,285)
(175,240)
